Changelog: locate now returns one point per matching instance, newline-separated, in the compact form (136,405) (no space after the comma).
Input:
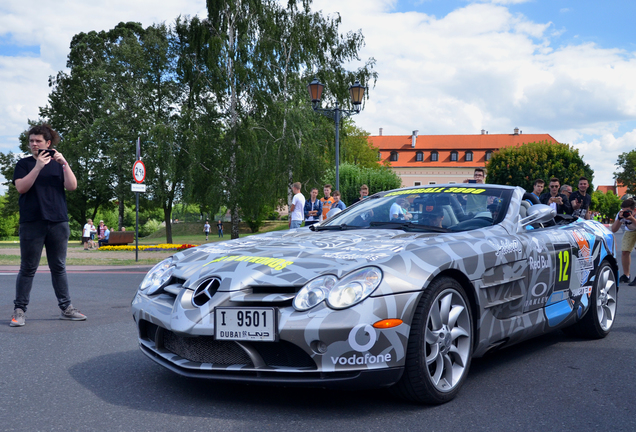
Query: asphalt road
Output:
(61,375)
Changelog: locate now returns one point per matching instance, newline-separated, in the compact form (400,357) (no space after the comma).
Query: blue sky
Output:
(607,23)
(563,67)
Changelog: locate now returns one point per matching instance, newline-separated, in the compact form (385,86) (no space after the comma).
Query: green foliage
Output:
(149,227)
(521,166)
(253,60)
(8,224)
(626,175)
(356,148)
(607,204)
(256,220)
(354,176)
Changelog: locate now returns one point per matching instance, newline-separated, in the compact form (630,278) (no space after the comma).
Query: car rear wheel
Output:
(599,319)
(440,345)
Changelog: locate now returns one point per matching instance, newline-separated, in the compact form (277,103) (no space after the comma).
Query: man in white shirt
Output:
(296,211)
(398,211)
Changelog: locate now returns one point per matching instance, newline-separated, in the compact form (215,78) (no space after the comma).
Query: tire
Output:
(440,345)
(599,319)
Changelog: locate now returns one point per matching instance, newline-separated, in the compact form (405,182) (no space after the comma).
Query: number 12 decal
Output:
(564,270)
(564,265)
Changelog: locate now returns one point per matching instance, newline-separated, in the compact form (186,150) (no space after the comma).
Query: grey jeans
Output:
(33,236)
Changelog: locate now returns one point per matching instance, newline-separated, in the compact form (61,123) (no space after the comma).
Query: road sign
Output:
(138,187)
(139,171)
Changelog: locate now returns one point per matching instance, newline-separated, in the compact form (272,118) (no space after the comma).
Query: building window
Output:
(434,156)
(417,183)
(419,156)
(394,156)
(379,155)
(452,182)
(453,156)
(432,182)
(488,155)
(469,156)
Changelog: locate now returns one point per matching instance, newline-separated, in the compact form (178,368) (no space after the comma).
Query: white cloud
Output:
(480,66)
(483,67)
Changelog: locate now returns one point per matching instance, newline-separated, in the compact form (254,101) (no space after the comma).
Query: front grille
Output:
(284,354)
(206,349)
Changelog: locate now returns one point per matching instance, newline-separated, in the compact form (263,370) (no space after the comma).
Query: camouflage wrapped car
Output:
(402,289)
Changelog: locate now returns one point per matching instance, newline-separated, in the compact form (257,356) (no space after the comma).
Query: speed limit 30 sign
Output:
(139,171)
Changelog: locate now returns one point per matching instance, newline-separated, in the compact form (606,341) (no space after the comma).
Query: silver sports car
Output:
(402,289)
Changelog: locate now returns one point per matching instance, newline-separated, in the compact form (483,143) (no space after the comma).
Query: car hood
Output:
(293,257)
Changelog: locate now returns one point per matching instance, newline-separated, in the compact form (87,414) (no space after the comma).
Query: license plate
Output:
(245,324)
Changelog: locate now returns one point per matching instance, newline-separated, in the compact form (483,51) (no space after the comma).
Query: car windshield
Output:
(434,209)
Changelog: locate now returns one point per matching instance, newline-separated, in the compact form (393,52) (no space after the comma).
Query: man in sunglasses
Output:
(554,199)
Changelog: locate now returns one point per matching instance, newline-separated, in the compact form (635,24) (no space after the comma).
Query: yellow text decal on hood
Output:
(275,263)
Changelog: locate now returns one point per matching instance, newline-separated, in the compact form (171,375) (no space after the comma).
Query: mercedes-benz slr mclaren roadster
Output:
(402,289)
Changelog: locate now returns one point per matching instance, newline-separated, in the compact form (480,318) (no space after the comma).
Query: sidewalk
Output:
(83,268)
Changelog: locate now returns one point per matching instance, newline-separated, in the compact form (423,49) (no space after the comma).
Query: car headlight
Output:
(314,292)
(157,276)
(354,288)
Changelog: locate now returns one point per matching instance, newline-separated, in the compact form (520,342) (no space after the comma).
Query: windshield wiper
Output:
(334,227)
(409,225)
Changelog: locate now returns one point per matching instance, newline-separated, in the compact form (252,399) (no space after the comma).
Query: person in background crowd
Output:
(206,229)
(312,208)
(625,219)
(581,200)
(538,188)
(478,176)
(219,227)
(86,233)
(364,192)
(566,190)
(100,229)
(326,201)
(554,199)
(41,180)
(398,210)
(298,205)
(337,202)
(105,236)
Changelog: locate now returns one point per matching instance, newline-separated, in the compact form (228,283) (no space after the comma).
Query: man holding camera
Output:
(581,200)
(625,218)
(41,180)
(554,199)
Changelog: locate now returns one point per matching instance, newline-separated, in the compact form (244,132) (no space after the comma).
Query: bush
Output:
(148,228)
(9,226)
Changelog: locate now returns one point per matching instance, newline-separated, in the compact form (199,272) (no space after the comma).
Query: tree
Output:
(521,166)
(257,57)
(123,84)
(627,171)
(607,204)
(354,176)
(356,147)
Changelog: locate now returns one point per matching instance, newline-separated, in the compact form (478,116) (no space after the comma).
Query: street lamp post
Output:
(356,91)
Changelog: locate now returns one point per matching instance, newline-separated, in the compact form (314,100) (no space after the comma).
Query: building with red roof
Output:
(434,159)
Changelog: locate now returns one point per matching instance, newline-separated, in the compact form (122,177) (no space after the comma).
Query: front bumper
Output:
(320,347)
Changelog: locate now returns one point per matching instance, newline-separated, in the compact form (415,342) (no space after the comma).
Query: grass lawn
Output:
(186,233)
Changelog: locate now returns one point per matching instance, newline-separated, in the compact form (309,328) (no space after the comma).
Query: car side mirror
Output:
(538,214)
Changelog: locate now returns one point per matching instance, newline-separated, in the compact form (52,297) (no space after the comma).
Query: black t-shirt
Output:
(46,200)
(586,200)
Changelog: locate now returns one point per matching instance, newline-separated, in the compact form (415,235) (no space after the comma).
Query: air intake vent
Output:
(205,291)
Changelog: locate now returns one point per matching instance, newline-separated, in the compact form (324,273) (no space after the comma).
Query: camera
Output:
(472,181)
(51,152)
(627,213)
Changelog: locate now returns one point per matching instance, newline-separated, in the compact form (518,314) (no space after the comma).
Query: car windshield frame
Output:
(435,208)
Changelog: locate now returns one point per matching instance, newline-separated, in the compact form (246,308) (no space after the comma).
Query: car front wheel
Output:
(440,344)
